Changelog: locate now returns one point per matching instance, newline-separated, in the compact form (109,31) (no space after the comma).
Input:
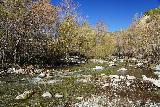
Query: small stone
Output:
(47,95)
(121,60)
(112,64)
(134,59)
(139,64)
(130,77)
(58,95)
(122,69)
(98,68)
(105,85)
(79,98)
(42,75)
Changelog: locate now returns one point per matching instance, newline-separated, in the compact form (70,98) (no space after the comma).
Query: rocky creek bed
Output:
(95,84)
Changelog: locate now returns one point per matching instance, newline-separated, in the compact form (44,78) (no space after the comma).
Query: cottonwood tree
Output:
(25,27)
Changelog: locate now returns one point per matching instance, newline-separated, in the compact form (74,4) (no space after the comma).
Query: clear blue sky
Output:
(116,14)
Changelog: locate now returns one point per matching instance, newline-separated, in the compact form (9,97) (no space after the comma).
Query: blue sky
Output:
(117,14)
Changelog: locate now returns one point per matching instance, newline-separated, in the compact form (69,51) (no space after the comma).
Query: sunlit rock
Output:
(14,70)
(139,64)
(94,101)
(25,95)
(112,64)
(98,68)
(47,95)
(57,95)
(157,68)
(82,80)
(79,98)
(121,71)
(128,83)
(103,74)
(122,77)
(157,73)
(154,81)
(11,70)
(121,60)
(42,75)
(105,85)
(130,77)
(134,59)
(36,79)
(114,60)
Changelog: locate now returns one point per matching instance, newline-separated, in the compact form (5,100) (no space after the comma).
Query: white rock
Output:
(42,75)
(47,95)
(121,60)
(134,59)
(105,85)
(154,81)
(103,74)
(115,60)
(11,70)
(82,80)
(122,77)
(128,83)
(58,95)
(112,64)
(130,65)
(19,71)
(130,77)
(122,69)
(52,81)
(24,96)
(98,68)
(157,68)
(36,79)
(157,73)
(79,98)
(139,64)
